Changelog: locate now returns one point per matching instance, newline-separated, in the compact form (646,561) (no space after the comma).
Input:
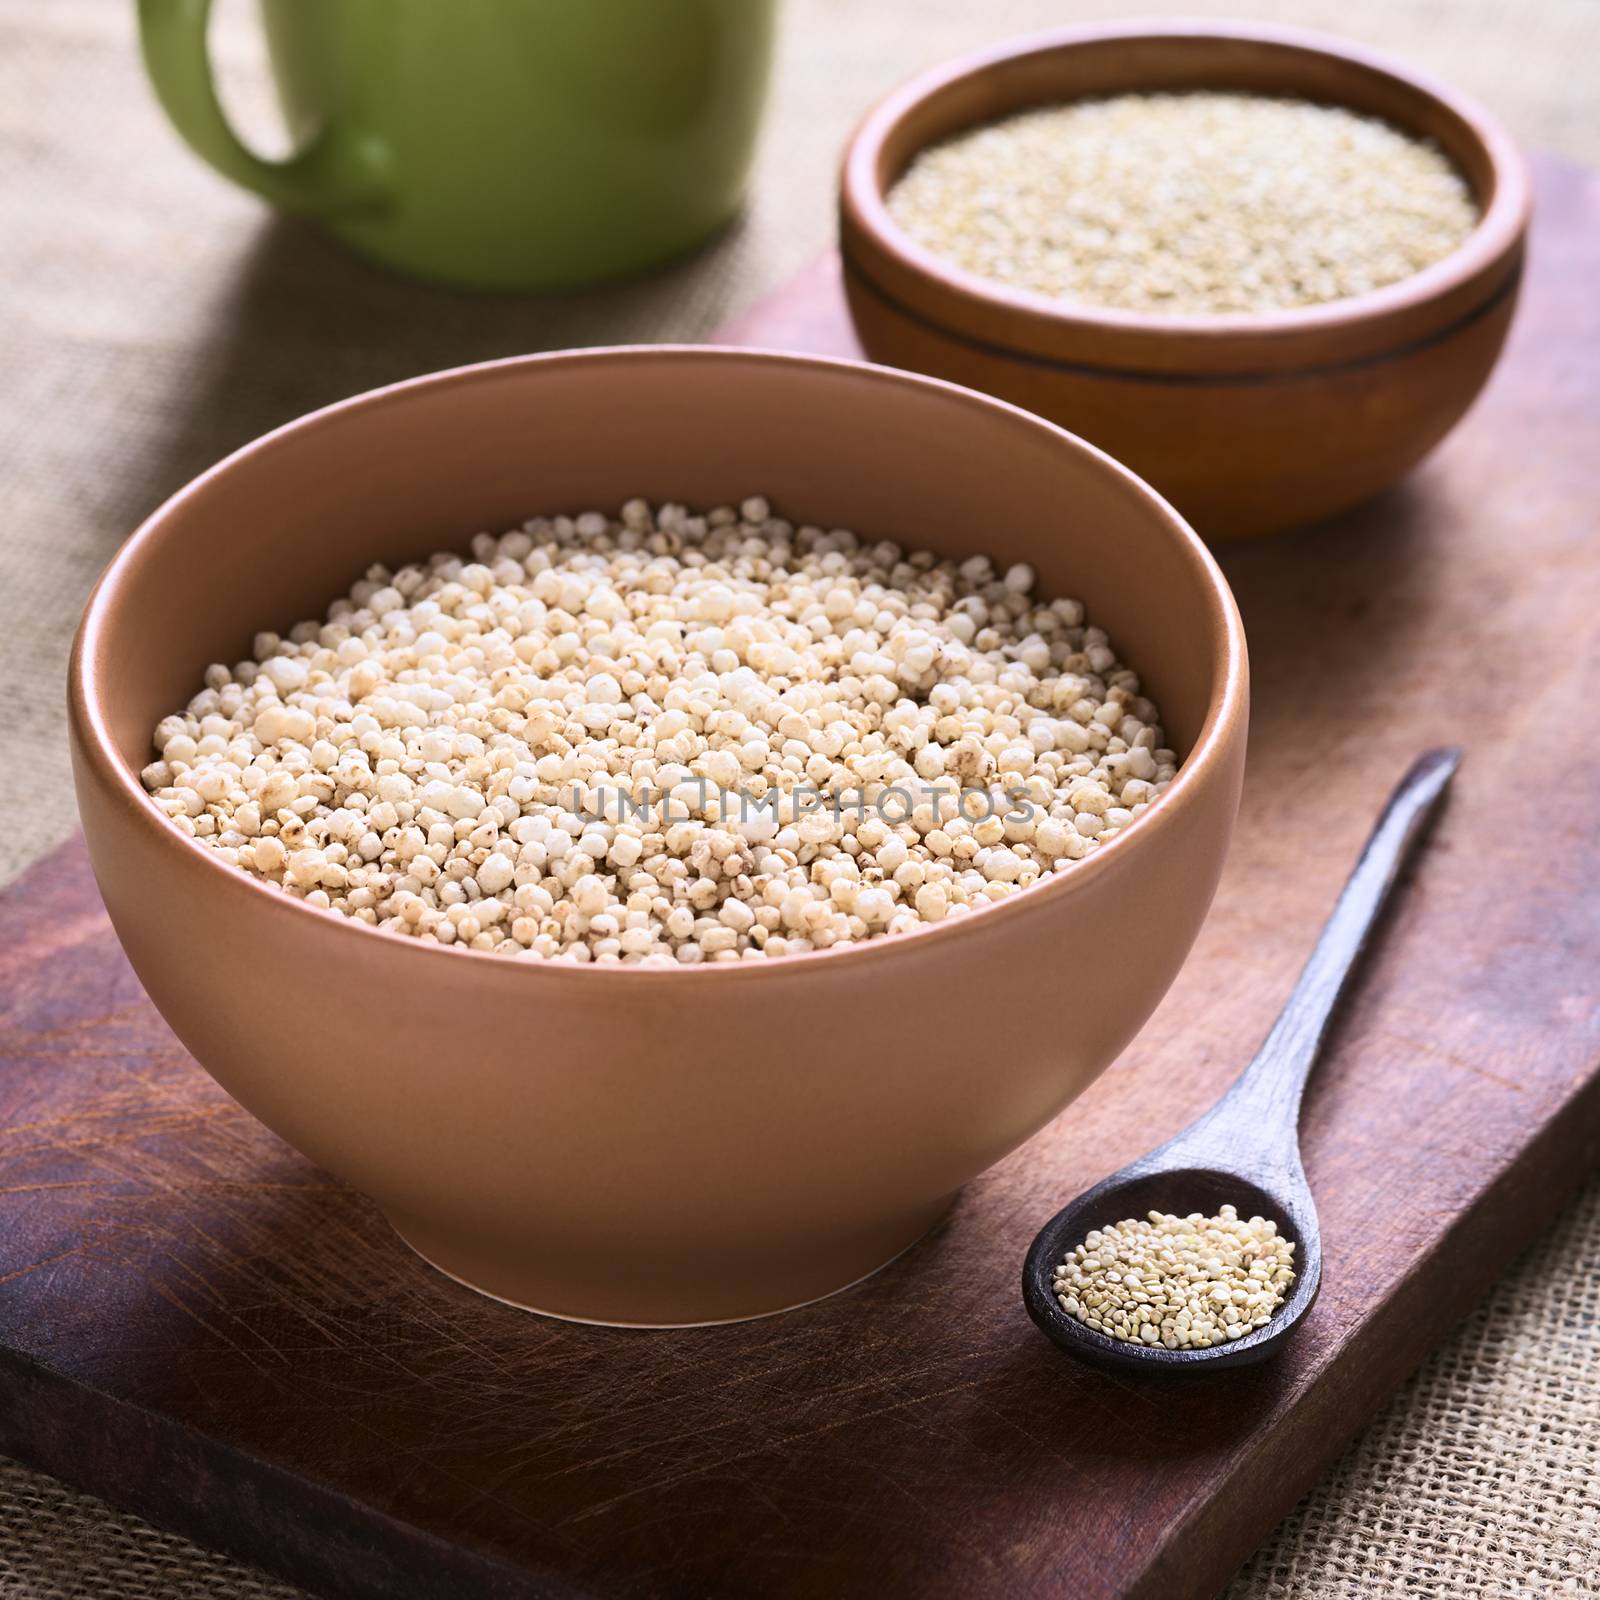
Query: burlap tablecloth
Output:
(151,319)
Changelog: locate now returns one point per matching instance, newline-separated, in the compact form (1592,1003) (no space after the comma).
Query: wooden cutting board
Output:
(200,1326)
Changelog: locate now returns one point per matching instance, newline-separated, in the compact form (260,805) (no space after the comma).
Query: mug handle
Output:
(172,34)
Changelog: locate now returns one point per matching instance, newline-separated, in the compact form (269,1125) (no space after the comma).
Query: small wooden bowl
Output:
(1248,423)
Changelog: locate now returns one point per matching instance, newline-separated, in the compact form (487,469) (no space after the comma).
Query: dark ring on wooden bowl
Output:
(1506,290)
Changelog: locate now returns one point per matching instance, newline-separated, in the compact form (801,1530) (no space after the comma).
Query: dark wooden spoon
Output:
(1245,1150)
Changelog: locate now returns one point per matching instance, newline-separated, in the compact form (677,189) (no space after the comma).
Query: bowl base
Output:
(841,1272)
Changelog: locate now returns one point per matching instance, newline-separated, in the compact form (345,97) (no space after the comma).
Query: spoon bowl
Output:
(1183,1190)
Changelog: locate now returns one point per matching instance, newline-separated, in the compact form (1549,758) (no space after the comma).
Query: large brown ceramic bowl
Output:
(618,1143)
(1247,423)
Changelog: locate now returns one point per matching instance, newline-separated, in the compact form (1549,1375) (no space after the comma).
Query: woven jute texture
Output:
(152,319)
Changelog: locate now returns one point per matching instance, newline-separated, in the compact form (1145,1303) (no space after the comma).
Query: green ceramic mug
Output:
(497,143)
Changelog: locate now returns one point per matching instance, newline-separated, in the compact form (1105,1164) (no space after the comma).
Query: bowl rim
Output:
(103,764)
(863,206)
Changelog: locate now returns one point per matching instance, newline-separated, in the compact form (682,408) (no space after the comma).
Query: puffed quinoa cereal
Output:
(1190,202)
(667,738)
(1180,1282)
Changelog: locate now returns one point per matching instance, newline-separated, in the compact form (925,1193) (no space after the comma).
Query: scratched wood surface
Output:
(200,1326)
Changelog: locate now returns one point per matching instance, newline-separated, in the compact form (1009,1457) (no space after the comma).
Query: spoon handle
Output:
(1276,1079)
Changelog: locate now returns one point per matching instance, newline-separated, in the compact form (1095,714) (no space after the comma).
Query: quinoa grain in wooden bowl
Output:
(1267,270)
(364,719)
